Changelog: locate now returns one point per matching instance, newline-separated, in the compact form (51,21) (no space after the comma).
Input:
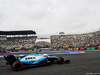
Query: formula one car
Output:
(17,63)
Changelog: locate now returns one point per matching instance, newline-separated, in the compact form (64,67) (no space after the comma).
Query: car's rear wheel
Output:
(60,60)
(17,66)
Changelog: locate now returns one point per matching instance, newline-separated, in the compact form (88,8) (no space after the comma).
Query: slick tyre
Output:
(17,66)
(60,60)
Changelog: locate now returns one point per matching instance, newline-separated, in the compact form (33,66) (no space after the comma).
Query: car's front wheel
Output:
(60,60)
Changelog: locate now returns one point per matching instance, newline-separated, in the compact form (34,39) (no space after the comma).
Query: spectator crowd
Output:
(78,40)
(17,42)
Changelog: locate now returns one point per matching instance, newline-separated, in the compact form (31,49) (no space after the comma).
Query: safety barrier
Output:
(66,49)
(26,50)
(82,48)
(29,50)
(88,48)
(17,48)
(14,51)
(92,48)
(57,49)
(75,48)
(99,48)
(2,51)
(8,51)
(70,48)
(54,49)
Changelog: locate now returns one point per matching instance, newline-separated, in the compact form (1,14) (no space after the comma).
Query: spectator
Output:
(75,40)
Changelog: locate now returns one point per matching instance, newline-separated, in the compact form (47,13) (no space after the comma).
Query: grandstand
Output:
(17,40)
(43,44)
(76,41)
(26,40)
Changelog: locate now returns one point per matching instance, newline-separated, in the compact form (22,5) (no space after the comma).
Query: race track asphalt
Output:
(87,63)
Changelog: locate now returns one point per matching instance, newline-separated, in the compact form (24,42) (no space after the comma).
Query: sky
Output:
(48,17)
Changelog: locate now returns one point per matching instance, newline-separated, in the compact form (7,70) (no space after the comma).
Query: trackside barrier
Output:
(20,50)
(26,50)
(8,51)
(66,49)
(99,48)
(30,50)
(63,49)
(76,49)
(60,49)
(54,49)
(2,51)
(82,48)
(70,48)
(92,48)
(14,51)
(88,48)
(17,48)
(57,49)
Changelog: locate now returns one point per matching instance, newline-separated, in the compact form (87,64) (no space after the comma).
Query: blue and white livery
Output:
(32,59)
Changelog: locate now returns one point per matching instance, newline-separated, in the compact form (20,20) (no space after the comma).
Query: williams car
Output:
(17,63)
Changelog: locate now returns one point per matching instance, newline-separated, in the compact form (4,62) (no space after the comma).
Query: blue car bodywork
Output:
(35,58)
(32,59)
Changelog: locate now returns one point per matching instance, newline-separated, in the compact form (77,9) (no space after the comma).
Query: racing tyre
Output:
(17,66)
(60,60)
